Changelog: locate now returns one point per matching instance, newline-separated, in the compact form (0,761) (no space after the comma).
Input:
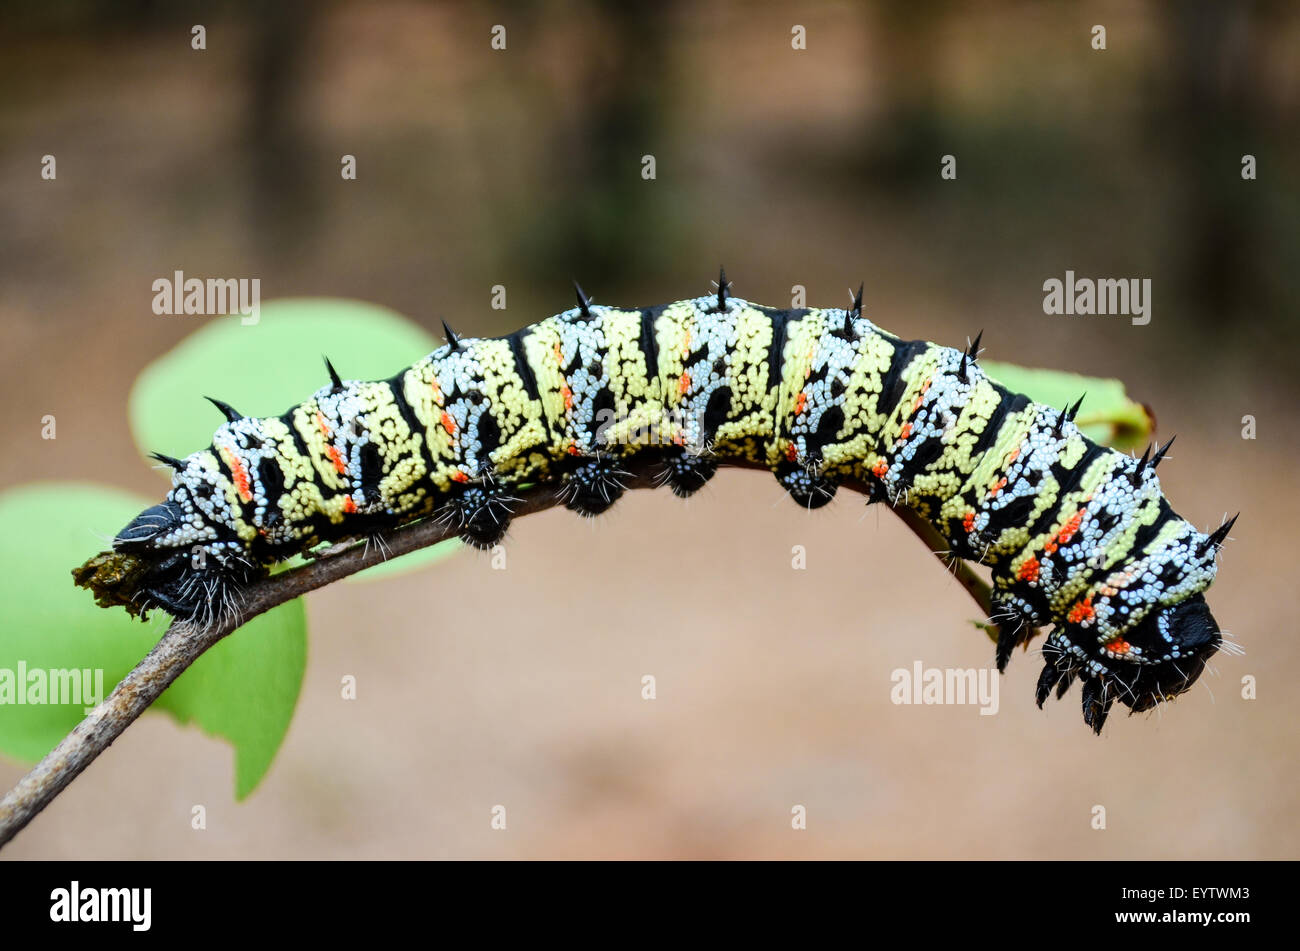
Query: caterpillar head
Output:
(1159,658)
(193,562)
(1143,636)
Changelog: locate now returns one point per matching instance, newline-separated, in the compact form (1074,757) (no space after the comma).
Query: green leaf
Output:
(244,689)
(1108,416)
(263,369)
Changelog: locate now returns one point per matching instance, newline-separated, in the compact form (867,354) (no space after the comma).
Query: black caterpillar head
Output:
(1156,660)
(228,514)
(195,570)
(217,527)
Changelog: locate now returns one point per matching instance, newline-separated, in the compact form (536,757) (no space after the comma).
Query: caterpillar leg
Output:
(593,486)
(1015,623)
(808,487)
(686,472)
(1097,700)
(1060,669)
(481,512)
(1050,677)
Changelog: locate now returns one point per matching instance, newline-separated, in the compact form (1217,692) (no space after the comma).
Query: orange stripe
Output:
(336,457)
(1068,530)
(239,472)
(1082,611)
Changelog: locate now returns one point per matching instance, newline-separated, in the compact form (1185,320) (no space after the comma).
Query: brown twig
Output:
(182,644)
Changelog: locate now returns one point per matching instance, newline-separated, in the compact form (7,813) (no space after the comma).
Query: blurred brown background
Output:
(817,167)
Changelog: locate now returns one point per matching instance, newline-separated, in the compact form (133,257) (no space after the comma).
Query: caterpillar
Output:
(1075,534)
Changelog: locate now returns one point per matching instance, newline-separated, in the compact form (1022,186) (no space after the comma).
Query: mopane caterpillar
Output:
(1076,535)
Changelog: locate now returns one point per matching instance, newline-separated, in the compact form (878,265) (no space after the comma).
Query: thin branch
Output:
(183,644)
(959,569)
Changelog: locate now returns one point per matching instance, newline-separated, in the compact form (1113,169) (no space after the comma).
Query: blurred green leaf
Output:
(1108,415)
(243,690)
(263,369)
